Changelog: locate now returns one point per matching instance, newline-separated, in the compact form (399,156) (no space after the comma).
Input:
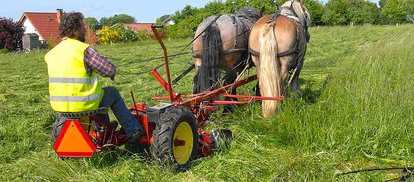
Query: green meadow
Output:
(356,111)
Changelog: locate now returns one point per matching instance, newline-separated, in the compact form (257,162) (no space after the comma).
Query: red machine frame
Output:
(200,105)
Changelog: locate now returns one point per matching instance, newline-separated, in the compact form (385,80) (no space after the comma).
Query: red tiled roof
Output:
(47,25)
(90,36)
(136,27)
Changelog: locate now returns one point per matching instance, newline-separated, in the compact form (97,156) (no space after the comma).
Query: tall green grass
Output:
(355,111)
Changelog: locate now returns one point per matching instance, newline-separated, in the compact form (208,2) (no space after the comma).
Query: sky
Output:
(144,11)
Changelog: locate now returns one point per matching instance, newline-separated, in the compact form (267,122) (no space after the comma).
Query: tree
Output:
(361,12)
(335,12)
(11,34)
(121,18)
(409,7)
(315,8)
(342,12)
(215,7)
(270,6)
(186,22)
(92,22)
(393,11)
(382,3)
(187,12)
(103,21)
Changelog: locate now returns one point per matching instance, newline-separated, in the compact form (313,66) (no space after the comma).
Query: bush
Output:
(142,35)
(108,36)
(127,35)
(11,34)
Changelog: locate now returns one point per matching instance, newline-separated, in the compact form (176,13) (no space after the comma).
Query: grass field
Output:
(356,112)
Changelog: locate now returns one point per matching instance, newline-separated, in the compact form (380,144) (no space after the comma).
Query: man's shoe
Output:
(136,136)
(133,142)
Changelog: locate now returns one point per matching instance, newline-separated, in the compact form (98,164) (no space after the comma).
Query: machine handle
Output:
(157,26)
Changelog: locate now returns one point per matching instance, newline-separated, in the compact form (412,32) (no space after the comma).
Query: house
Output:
(46,27)
(168,20)
(137,27)
(410,18)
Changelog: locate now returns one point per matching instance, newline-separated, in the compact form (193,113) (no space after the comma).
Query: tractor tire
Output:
(57,126)
(175,141)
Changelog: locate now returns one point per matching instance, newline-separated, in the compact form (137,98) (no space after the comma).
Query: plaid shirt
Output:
(98,63)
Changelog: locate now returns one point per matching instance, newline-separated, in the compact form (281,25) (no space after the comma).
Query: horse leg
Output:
(285,64)
(294,85)
(256,62)
(196,85)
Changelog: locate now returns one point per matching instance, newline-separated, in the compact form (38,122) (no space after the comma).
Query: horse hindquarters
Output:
(208,73)
(300,58)
(268,70)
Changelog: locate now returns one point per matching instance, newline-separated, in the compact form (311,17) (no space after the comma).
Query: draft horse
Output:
(220,43)
(277,44)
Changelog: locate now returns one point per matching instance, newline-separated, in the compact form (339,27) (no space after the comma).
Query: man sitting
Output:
(73,69)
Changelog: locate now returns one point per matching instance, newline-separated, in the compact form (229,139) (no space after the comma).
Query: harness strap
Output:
(295,48)
(211,23)
(280,54)
(233,18)
(244,33)
(230,51)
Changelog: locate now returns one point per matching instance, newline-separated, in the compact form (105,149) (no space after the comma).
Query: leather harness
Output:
(243,25)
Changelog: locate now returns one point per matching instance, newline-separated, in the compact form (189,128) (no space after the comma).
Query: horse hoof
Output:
(227,110)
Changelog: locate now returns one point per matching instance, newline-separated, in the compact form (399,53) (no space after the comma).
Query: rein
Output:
(406,172)
(180,53)
(224,52)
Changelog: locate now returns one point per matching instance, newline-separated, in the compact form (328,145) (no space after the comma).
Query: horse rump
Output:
(208,75)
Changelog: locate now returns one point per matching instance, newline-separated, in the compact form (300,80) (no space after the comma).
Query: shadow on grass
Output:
(111,157)
(312,96)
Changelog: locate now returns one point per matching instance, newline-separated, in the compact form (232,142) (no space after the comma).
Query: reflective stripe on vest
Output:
(75,98)
(74,80)
(71,89)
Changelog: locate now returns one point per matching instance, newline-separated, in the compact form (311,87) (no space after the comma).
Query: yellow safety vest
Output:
(71,89)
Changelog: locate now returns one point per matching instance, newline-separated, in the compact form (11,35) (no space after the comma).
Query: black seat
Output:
(76,115)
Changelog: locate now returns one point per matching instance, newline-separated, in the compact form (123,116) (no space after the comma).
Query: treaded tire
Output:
(162,146)
(57,126)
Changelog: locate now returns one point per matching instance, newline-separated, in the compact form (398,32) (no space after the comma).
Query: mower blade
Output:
(222,139)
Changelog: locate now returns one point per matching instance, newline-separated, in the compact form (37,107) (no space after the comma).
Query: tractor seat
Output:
(76,115)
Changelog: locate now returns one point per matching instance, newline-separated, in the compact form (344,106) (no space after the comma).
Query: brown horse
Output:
(222,46)
(278,45)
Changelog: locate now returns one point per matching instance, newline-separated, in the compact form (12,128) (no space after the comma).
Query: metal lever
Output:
(157,26)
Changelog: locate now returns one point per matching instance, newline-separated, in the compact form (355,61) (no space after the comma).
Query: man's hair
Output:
(70,22)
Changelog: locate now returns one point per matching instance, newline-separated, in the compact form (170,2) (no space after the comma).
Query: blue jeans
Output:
(112,98)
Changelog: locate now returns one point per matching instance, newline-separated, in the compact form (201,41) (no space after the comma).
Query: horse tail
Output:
(269,77)
(211,59)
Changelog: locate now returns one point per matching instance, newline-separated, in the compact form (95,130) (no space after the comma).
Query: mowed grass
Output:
(356,111)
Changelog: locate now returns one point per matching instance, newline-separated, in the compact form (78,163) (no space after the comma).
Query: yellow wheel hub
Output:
(183,142)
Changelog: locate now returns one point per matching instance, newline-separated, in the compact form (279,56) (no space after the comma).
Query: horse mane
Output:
(299,13)
(308,16)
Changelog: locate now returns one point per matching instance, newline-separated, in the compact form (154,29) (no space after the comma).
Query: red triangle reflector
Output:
(73,141)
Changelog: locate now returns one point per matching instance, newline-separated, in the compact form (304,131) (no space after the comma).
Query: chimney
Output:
(58,14)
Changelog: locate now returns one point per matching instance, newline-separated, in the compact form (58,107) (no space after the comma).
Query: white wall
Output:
(30,28)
